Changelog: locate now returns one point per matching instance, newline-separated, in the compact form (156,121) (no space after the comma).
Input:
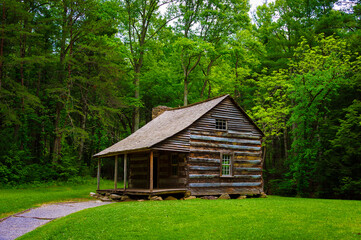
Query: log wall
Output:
(179,142)
(166,179)
(237,122)
(241,140)
(139,175)
(199,150)
(138,165)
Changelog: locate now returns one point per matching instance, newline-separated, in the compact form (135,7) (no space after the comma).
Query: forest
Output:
(76,76)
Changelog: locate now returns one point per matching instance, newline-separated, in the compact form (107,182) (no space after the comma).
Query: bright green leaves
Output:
(206,29)
(298,100)
(318,74)
(272,104)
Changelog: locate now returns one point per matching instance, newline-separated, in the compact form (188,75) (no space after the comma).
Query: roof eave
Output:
(121,152)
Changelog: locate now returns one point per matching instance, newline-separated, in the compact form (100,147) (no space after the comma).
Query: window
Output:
(221,124)
(174,165)
(226,165)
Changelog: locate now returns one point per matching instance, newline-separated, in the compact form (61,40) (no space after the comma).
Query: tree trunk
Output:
(204,87)
(2,43)
(22,56)
(60,105)
(237,92)
(185,91)
(186,74)
(38,83)
(285,136)
(82,140)
(209,90)
(57,140)
(136,115)
(206,81)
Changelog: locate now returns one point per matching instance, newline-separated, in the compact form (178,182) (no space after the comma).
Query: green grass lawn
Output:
(16,200)
(270,218)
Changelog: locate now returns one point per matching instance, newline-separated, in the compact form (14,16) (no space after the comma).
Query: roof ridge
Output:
(197,103)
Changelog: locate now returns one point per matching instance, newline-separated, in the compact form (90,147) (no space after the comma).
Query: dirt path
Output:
(23,222)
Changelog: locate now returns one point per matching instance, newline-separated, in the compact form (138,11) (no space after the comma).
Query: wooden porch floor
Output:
(140,192)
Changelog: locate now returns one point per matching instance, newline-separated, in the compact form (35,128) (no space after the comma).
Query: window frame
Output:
(231,157)
(225,121)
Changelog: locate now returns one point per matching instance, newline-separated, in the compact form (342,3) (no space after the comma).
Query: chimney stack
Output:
(156,111)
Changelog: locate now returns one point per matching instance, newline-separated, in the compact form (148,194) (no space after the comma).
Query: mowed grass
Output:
(270,218)
(16,200)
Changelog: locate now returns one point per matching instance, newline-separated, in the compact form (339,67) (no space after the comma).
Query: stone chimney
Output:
(156,111)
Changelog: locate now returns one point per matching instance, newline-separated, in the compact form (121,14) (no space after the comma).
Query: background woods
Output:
(78,76)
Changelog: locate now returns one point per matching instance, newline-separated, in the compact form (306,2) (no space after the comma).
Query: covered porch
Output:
(148,173)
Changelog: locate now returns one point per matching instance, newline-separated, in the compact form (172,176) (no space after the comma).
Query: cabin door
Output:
(155,172)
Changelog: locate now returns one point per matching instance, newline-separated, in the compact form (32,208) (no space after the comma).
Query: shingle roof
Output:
(162,127)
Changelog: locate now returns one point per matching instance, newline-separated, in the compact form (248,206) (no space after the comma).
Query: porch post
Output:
(151,172)
(98,174)
(125,171)
(115,172)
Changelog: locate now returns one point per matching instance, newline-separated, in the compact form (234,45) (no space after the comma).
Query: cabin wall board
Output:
(241,140)
(179,142)
(238,124)
(165,177)
(198,149)
(236,120)
(138,167)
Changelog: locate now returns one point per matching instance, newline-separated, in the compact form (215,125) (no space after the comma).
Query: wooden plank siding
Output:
(138,170)
(237,122)
(241,140)
(198,149)
(166,179)
(179,142)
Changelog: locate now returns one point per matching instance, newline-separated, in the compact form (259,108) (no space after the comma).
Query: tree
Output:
(204,28)
(318,75)
(282,24)
(141,22)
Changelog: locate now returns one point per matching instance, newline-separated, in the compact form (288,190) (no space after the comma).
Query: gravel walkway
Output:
(21,223)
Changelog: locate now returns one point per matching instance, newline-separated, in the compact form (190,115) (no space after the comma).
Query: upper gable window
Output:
(221,124)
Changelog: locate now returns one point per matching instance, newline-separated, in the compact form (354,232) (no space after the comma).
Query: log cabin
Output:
(207,148)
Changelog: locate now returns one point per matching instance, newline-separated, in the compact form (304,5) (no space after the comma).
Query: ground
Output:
(26,221)
(13,200)
(270,218)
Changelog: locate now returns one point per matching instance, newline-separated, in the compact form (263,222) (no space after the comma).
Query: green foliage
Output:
(349,130)
(78,76)
(298,108)
(272,105)
(283,187)
(346,150)
(318,75)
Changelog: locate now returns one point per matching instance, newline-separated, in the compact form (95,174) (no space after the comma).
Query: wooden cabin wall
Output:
(138,170)
(241,140)
(165,177)
(237,122)
(178,142)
